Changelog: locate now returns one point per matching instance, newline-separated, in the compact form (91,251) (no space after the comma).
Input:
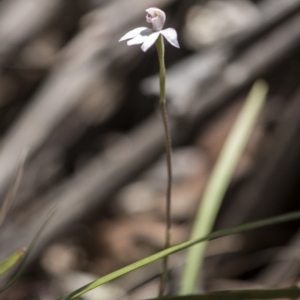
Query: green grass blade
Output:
(11,261)
(219,182)
(23,262)
(150,259)
(289,293)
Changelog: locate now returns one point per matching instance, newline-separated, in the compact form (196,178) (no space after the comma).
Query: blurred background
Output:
(85,109)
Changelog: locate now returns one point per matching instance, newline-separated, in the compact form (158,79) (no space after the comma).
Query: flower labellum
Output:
(147,36)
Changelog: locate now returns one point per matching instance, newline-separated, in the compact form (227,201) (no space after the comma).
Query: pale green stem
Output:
(219,182)
(12,190)
(162,102)
(157,256)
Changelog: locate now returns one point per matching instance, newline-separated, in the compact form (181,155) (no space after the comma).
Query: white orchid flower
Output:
(147,36)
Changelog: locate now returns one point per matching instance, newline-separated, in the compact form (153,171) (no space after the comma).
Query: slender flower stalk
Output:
(147,37)
(162,102)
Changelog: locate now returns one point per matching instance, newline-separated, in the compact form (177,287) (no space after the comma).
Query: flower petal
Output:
(132,33)
(139,39)
(150,41)
(171,36)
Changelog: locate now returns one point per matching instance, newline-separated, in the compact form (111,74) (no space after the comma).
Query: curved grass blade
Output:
(150,259)
(23,262)
(219,182)
(289,293)
(11,261)
(12,190)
